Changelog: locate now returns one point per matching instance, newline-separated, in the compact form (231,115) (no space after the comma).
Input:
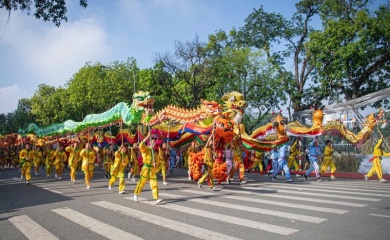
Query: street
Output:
(260,209)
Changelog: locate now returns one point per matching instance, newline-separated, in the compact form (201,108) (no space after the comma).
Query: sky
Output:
(34,52)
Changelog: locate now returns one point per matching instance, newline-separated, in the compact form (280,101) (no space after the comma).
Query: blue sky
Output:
(34,52)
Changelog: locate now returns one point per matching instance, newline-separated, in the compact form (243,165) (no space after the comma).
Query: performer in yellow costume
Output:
(88,156)
(133,162)
(108,156)
(118,168)
(208,163)
(376,161)
(38,159)
(162,157)
(26,157)
(291,158)
(74,158)
(148,171)
(328,162)
(49,161)
(257,158)
(237,162)
(59,162)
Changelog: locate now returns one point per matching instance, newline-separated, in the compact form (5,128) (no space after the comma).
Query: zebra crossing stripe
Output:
(320,189)
(96,226)
(282,204)
(31,229)
(358,189)
(380,215)
(289,197)
(297,217)
(316,194)
(164,222)
(363,184)
(52,190)
(227,219)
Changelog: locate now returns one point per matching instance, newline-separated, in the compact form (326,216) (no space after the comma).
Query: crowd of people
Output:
(146,160)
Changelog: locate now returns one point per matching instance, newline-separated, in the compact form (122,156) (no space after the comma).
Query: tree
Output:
(352,53)
(187,65)
(40,104)
(54,10)
(268,31)
(239,68)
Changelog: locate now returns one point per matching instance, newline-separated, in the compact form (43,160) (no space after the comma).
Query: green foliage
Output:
(239,68)
(54,11)
(269,31)
(352,51)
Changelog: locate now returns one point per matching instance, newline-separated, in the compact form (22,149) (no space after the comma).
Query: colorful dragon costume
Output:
(336,127)
(139,111)
(299,130)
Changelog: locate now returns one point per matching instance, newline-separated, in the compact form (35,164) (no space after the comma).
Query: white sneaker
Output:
(59,178)
(189,178)
(383,180)
(243,181)
(199,185)
(333,177)
(122,192)
(366,177)
(214,189)
(88,187)
(74,181)
(297,175)
(158,201)
(129,176)
(109,187)
(36,174)
(165,183)
(133,179)
(135,198)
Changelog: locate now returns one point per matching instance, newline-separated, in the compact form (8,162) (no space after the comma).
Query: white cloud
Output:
(9,97)
(54,54)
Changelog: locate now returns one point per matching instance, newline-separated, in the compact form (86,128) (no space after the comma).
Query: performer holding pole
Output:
(118,169)
(26,157)
(314,152)
(74,156)
(148,171)
(376,161)
(328,162)
(88,156)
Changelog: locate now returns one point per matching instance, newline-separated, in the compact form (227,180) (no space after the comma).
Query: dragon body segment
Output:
(204,113)
(139,111)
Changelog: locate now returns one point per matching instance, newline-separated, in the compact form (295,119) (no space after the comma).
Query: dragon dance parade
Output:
(210,141)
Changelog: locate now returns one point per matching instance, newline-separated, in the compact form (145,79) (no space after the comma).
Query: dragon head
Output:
(279,124)
(235,105)
(143,101)
(234,101)
(210,108)
(371,121)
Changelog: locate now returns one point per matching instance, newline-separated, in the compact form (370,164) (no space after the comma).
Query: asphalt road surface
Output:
(49,208)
